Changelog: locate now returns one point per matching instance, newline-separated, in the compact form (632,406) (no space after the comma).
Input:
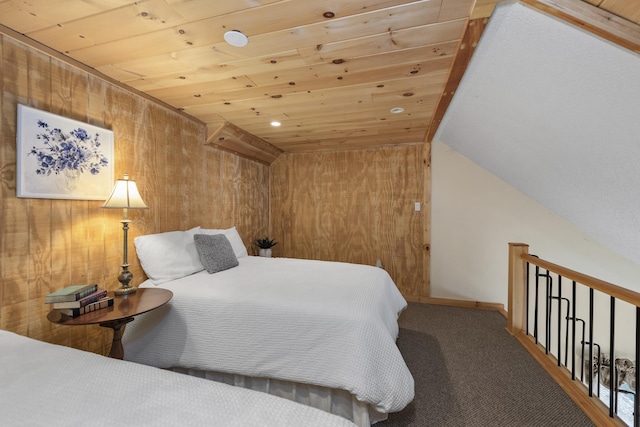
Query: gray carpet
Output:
(470,372)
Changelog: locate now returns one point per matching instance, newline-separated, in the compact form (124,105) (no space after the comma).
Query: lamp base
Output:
(125,278)
(125,290)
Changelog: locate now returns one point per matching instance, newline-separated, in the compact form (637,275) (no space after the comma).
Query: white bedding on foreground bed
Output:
(44,384)
(324,323)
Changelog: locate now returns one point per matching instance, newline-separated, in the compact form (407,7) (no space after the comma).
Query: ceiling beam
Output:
(230,137)
(467,46)
(592,19)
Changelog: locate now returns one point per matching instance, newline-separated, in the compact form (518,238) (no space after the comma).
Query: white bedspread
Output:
(323,323)
(43,384)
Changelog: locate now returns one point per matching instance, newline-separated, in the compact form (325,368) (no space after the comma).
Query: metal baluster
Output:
(527,299)
(615,400)
(536,307)
(573,331)
(582,349)
(559,320)
(547,320)
(591,342)
(598,366)
(636,398)
(566,336)
(613,388)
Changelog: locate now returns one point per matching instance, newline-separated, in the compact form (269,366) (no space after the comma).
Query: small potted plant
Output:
(265,246)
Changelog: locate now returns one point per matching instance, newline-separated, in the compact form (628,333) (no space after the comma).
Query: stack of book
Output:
(79,299)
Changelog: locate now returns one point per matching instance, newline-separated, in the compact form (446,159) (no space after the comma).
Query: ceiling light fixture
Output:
(397,110)
(275,123)
(236,38)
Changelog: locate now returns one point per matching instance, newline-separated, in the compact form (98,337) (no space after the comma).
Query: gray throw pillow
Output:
(216,252)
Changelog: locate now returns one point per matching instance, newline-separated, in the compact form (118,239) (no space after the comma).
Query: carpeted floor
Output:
(470,372)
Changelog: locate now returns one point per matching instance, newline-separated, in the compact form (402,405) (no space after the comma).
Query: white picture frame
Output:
(61,158)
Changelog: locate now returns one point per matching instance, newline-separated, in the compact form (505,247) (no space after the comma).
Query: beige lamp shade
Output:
(125,195)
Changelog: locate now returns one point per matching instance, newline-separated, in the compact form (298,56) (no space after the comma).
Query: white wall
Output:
(554,111)
(474,217)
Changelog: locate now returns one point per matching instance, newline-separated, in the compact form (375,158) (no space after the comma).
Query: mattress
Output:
(328,324)
(43,384)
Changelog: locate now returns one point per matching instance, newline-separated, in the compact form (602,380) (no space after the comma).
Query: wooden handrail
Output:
(599,285)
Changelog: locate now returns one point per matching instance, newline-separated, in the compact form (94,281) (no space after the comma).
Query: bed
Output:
(43,384)
(320,333)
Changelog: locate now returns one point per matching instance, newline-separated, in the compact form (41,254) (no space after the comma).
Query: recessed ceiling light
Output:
(397,110)
(236,38)
(275,123)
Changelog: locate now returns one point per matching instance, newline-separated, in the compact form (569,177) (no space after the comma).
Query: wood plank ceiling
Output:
(329,71)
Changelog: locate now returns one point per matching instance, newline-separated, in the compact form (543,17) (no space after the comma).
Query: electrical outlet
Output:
(417,206)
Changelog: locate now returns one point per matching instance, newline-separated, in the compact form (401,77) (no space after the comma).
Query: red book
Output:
(82,301)
(74,312)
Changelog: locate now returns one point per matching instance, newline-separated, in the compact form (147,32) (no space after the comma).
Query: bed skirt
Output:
(335,401)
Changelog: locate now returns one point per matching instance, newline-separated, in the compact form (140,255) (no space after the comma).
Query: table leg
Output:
(117,352)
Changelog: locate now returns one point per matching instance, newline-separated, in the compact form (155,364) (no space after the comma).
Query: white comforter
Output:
(43,384)
(323,323)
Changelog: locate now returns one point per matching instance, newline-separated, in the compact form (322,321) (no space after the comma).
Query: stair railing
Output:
(527,311)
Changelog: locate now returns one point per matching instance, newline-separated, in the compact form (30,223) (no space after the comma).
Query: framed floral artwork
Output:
(61,158)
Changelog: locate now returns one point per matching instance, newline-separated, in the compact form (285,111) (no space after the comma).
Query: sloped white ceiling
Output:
(555,112)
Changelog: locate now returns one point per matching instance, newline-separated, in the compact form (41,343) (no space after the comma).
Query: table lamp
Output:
(125,196)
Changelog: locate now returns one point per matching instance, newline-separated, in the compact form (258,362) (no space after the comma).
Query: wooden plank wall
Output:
(48,244)
(353,206)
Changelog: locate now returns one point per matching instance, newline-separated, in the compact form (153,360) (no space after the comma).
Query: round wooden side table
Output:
(124,308)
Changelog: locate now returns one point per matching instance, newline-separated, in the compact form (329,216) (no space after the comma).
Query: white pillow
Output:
(168,256)
(234,238)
